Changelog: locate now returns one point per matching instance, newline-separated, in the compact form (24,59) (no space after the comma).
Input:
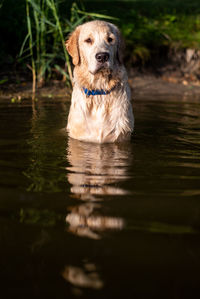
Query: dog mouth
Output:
(100,67)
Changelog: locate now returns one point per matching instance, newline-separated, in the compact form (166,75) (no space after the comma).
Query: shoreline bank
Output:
(141,85)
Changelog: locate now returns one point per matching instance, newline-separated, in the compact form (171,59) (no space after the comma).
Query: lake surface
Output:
(80,220)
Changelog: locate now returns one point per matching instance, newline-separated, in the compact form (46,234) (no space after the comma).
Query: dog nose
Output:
(102,57)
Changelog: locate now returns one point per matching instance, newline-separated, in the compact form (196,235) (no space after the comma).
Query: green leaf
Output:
(96,15)
(23,44)
(3,81)
(62,71)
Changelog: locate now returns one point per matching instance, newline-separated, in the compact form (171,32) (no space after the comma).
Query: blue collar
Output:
(96,92)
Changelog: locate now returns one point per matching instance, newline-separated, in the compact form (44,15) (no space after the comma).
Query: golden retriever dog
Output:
(101,109)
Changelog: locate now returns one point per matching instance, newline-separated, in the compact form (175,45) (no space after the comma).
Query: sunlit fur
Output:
(99,118)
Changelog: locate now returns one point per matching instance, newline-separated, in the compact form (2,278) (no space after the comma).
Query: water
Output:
(80,220)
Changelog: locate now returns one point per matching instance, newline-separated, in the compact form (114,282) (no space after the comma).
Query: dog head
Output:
(97,45)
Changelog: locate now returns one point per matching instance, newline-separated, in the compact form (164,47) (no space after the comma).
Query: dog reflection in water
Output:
(93,171)
(84,223)
(83,277)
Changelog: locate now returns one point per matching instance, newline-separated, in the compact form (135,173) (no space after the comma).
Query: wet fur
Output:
(99,118)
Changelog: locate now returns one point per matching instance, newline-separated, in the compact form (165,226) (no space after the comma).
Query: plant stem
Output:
(31,48)
(42,40)
(35,13)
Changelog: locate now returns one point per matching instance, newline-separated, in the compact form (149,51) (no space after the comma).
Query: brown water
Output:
(80,220)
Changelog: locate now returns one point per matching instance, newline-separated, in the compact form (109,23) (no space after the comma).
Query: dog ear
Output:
(120,43)
(73,47)
(120,47)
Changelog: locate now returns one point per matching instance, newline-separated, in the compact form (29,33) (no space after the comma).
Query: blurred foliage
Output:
(45,217)
(147,26)
(144,35)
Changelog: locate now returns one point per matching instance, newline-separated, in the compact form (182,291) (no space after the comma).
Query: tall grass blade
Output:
(37,33)
(96,15)
(31,48)
(58,68)
(23,45)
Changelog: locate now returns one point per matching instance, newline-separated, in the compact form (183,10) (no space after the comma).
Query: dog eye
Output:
(110,39)
(88,40)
